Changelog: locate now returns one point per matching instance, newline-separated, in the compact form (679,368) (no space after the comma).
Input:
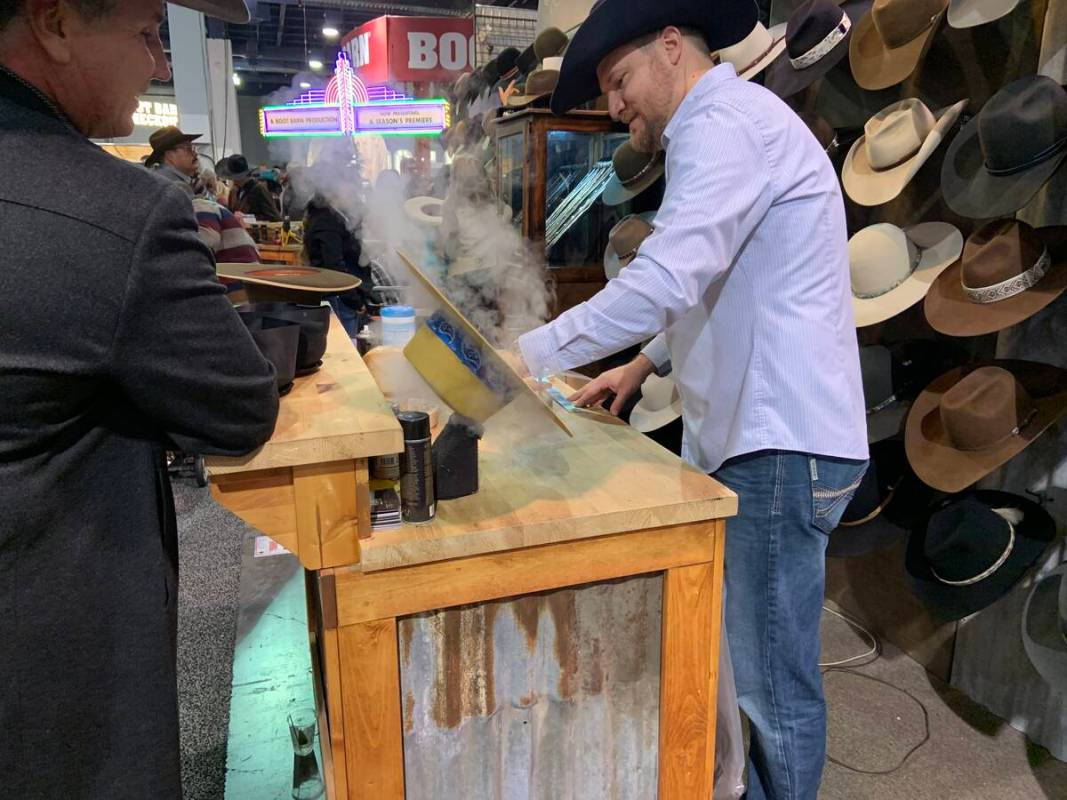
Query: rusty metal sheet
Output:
(548,697)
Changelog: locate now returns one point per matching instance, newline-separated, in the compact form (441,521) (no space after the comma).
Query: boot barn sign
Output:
(411,49)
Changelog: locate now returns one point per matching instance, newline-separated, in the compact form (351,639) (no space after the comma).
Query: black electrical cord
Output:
(911,752)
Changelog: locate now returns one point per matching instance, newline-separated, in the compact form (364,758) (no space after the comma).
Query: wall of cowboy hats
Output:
(966,64)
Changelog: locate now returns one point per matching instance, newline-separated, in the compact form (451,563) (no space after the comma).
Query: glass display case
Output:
(550,172)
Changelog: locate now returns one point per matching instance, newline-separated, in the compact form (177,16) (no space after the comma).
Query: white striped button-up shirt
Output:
(747,277)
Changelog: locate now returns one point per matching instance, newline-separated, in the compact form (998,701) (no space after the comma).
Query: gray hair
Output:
(88,9)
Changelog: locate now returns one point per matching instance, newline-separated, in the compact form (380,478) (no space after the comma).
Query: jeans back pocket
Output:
(833,482)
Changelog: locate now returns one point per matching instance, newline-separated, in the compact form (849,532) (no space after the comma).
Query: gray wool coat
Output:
(116,343)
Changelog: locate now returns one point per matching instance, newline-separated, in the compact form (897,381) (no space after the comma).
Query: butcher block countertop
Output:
(334,414)
(547,488)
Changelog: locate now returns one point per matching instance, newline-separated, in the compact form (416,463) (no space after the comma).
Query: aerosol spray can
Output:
(417,502)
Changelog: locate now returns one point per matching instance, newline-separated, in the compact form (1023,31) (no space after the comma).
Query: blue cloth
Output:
(774,576)
(747,274)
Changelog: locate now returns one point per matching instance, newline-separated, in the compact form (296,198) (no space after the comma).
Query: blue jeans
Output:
(774,575)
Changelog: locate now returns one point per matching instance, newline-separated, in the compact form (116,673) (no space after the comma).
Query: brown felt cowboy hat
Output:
(165,139)
(973,419)
(539,84)
(888,42)
(1005,276)
(624,240)
(633,173)
(896,142)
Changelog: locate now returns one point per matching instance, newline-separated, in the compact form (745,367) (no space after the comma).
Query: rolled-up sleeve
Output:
(719,187)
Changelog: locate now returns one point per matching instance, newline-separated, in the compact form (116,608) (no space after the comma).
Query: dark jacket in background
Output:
(255,198)
(116,343)
(331,245)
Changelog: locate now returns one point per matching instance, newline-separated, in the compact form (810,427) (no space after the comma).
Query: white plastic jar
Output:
(398,325)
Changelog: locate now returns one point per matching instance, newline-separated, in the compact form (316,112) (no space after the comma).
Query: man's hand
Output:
(621,381)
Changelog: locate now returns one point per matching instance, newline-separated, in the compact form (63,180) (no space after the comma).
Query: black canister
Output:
(417,502)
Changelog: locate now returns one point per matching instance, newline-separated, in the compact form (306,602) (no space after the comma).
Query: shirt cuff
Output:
(539,351)
(656,351)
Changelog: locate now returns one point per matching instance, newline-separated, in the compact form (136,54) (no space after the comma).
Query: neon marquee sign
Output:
(346,108)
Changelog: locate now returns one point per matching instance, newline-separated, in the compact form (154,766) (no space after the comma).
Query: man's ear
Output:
(672,41)
(52,22)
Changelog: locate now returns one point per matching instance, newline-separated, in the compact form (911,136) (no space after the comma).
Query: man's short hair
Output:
(88,9)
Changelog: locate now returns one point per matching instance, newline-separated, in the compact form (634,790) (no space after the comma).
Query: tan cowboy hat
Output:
(659,405)
(307,280)
(540,83)
(896,142)
(970,13)
(425,210)
(1005,276)
(973,419)
(892,269)
(755,52)
(888,43)
(167,138)
(633,173)
(624,239)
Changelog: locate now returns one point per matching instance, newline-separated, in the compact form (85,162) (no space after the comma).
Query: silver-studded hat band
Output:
(1015,285)
(823,48)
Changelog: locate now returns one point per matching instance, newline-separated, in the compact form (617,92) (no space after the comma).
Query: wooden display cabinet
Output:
(540,157)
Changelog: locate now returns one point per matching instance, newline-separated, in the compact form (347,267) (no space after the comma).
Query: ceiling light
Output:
(314,63)
(330,32)
(237,79)
(305,85)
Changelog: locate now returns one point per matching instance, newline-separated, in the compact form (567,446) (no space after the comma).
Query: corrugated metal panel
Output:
(548,697)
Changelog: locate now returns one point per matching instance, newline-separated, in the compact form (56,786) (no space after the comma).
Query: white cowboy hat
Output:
(424,209)
(896,142)
(892,269)
(755,52)
(658,406)
(970,13)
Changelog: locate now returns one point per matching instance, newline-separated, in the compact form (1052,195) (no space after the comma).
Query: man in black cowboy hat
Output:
(174,156)
(250,195)
(117,343)
(745,284)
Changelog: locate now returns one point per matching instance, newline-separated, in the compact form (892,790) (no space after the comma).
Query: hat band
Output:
(876,513)
(628,254)
(829,42)
(1030,415)
(983,575)
(916,257)
(1044,155)
(1012,286)
(902,160)
(640,173)
(751,64)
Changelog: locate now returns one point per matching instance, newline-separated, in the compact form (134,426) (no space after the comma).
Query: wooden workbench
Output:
(551,512)
(280,253)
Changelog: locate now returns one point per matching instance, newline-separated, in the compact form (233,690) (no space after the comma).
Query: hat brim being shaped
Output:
(425,210)
(874,64)
(235,11)
(1042,622)
(940,244)
(949,469)
(1033,534)
(615,193)
(972,191)
(971,13)
(311,280)
(514,382)
(949,311)
(613,23)
(785,80)
(872,187)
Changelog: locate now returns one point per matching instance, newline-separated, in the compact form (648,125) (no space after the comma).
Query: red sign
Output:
(419,49)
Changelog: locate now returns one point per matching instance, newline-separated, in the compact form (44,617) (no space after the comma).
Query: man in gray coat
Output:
(116,344)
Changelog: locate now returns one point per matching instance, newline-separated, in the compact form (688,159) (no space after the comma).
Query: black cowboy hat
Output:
(278,340)
(233,167)
(973,549)
(314,322)
(889,502)
(613,23)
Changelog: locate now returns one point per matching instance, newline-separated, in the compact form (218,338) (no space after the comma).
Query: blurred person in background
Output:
(329,243)
(116,344)
(249,195)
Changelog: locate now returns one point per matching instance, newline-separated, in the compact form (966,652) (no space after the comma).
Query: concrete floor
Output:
(971,755)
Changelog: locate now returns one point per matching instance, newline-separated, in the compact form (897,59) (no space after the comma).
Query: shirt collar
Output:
(708,81)
(23,93)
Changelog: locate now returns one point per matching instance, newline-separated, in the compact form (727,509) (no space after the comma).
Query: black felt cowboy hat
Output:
(973,549)
(888,503)
(613,23)
(816,40)
(165,139)
(1003,156)
(233,168)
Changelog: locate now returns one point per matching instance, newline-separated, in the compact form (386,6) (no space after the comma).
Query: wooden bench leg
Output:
(373,733)
(692,616)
